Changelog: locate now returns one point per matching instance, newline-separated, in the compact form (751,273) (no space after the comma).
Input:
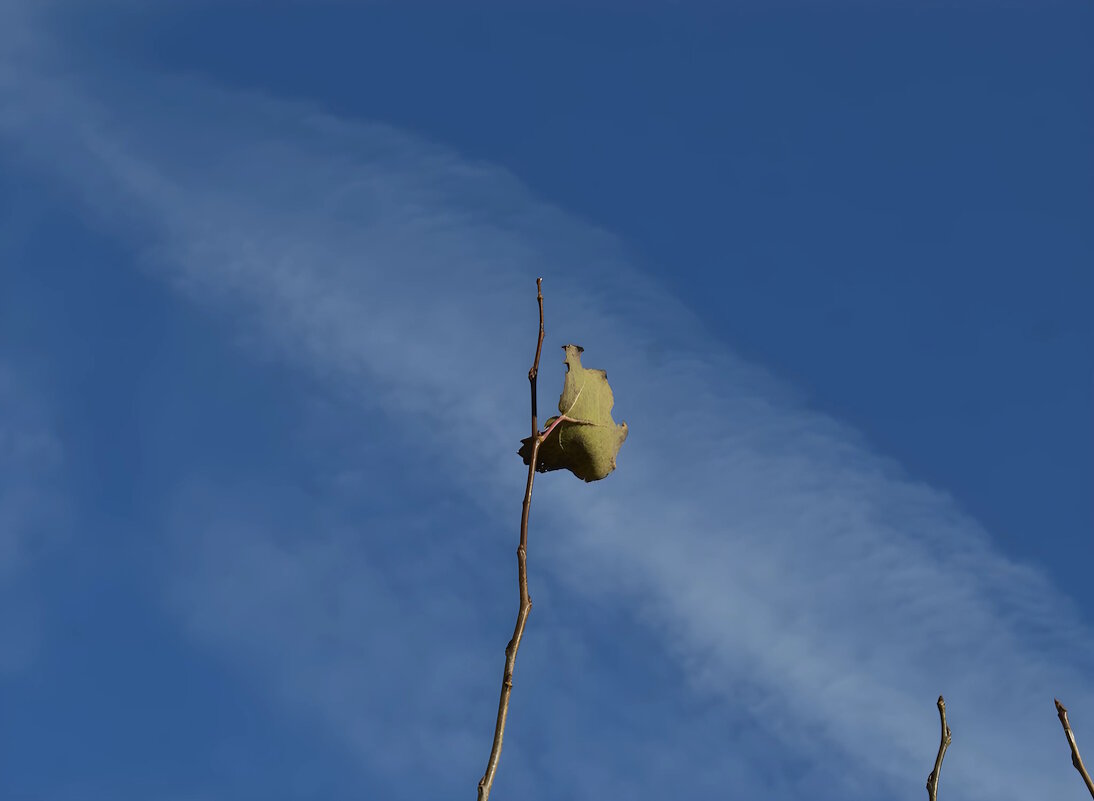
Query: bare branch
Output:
(487,780)
(932,780)
(1076,760)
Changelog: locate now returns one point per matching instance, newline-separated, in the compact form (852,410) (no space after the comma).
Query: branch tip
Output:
(944,743)
(1076,760)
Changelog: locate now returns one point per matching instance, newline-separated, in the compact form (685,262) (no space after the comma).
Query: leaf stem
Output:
(560,419)
(487,780)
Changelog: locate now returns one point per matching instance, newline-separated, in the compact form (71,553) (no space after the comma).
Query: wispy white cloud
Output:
(800,578)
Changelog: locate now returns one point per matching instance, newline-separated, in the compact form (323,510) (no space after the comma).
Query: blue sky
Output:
(268,306)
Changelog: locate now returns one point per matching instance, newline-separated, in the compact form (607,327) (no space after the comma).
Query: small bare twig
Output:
(1076,760)
(932,780)
(487,780)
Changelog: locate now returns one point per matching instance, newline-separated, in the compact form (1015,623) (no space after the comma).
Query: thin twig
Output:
(932,780)
(487,780)
(532,373)
(1076,760)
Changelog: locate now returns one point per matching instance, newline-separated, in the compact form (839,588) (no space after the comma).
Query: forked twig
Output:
(1076,760)
(487,780)
(932,780)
